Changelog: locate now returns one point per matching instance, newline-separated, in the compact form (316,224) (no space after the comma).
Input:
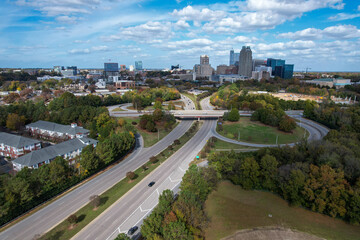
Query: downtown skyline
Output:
(321,34)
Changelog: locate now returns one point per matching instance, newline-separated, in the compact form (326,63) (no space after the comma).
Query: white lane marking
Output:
(182,169)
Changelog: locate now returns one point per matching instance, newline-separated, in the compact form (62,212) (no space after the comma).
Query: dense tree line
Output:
(275,118)
(182,217)
(145,97)
(323,176)
(229,97)
(157,118)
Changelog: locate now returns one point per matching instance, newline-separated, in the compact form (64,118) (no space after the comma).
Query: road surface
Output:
(131,209)
(206,105)
(189,104)
(51,215)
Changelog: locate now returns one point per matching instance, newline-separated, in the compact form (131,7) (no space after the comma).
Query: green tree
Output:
(177,230)
(158,105)
(268,172)
(89,160)
(249,173)
(122,236)
(234,115)
(14,121)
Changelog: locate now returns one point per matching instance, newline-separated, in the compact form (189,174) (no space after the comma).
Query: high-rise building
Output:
(138,65)
(203,69)
(234,58)
(204,59)
(111,69)
(280,69)
(258,62)
(245,61)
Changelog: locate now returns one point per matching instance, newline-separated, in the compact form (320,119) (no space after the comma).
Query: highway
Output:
(138,203)
(51,215)
(189,104)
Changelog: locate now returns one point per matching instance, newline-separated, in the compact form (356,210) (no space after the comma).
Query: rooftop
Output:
(53,151)
(55,127)
(16,140)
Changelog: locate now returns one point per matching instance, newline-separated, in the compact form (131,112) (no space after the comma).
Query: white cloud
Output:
(150,32)
(298,45)
(343,16)
(337,32)
(89,50)
(182,24)
(189,43)
(67,19)
(192,14)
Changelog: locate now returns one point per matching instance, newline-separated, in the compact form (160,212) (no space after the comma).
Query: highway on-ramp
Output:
(51,215)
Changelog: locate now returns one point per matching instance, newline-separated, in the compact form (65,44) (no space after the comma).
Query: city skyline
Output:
(321,34)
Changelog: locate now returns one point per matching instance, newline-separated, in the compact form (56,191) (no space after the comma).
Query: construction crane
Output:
(306,70)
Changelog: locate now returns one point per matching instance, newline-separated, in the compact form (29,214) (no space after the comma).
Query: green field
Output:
(231,208)
(222,145)
(150,138)
(256,132)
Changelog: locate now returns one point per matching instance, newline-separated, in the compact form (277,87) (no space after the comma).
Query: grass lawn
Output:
(87,214)
(256,132)
(150,138)
(222,145)
(231,208)
(118,109)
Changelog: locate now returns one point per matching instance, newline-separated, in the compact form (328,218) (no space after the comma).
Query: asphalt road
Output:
(205,104)
(189,104)
(131,209)
(48,217)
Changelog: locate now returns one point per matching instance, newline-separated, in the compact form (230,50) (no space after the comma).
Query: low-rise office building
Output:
(68,150)
(15,146)
(56,131)
(330,82)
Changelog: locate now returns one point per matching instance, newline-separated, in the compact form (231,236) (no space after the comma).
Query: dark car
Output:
(151,184)
(132,230)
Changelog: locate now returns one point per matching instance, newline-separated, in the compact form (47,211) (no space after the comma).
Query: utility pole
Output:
(277,136)
(158,135)
(239,136)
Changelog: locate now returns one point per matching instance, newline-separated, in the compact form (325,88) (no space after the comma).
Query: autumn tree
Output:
(14,121)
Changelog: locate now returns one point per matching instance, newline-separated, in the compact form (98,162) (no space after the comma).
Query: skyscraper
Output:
(111,69)
(280,69)
(234,57)
(138,65)
(203,69)
(245,61)
(204,59)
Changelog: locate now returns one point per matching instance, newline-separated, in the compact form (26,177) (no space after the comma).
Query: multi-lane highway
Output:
(48,217)
(130,210)
(206,105)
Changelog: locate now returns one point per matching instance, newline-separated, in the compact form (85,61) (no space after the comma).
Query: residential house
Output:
(15,146)
(68,150)
(56,131)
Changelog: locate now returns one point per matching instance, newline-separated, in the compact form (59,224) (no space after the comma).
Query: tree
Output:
(95,201)
(249,173)
(268,172)
(234,115)
(131,175)
(153,159)
(177,230)
(122,236)
(14,121)
(158,105)
(287,124)
(72,219)
(89,160)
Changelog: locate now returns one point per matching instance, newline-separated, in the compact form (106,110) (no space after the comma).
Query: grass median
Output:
(85,215)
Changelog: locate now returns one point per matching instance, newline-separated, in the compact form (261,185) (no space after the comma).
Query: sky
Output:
(323,35)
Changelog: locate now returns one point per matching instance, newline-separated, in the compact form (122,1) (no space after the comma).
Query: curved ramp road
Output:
(51,215)
(133,207)
(206,105)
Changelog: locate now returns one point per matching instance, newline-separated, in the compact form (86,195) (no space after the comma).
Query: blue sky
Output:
(323,35)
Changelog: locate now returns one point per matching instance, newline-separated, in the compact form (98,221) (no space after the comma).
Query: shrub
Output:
(95,201)
(134,123)
(144,167)
(287,124)
(234,115)
(170,147)
(177,142)
(153,159)
(131,175)
(72,219)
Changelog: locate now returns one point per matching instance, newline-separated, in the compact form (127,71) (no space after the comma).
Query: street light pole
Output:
(277,139)
(239,136)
